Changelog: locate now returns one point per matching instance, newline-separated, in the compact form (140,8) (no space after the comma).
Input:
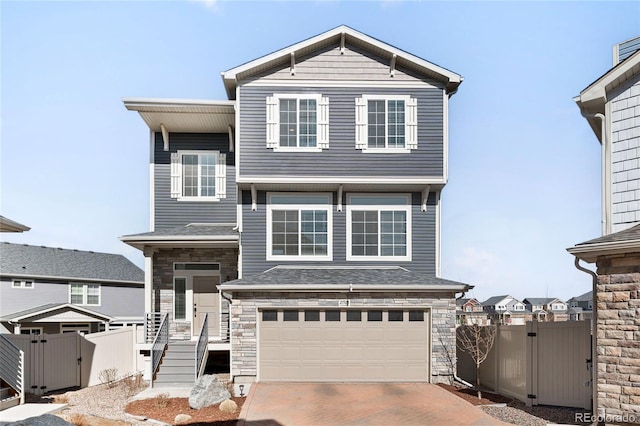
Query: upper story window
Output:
(379,227)
(519,307)
(299,227)
(386,123)
(198,175)
(84,294)
(297,122)
(22,284)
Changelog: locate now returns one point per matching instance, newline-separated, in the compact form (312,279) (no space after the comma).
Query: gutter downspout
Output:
(606,175)
(228,299)
(594,333)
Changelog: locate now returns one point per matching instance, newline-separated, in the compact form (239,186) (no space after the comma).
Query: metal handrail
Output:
(202,346)
(159,345)
(12,366)
(152,322)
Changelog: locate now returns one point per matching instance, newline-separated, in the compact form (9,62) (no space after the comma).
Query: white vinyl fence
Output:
(540,363)
(58,361)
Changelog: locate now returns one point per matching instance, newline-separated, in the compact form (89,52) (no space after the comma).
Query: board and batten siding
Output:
(341,158)
(254,237)
(329,63)
(169,212)
(625,138)
(116,300)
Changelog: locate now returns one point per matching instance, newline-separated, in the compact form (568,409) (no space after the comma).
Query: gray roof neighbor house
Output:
(8,225)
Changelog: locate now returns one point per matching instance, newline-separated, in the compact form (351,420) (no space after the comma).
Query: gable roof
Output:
(538,300)
(335,36)
(8,225)
(625,241)
(334,278)
(495,299)
(22,260)
(593,98)
(586,297)
(51,309)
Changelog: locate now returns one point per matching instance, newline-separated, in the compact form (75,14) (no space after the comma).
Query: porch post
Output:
(16,328)
(148,278)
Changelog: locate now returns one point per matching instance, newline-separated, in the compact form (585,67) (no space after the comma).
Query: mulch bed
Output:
(166,410)
(471,395)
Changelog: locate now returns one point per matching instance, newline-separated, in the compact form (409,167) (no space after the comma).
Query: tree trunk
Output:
(478,380)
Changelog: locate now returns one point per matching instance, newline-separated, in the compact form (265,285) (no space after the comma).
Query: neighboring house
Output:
(302,215)
(546,308)
(581,307)
(506,310)
(8,225)
(611,106)
(470,311)
(54,290)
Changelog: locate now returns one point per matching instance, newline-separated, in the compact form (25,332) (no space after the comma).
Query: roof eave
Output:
(432,288)
(174,241)
(65,278)
(590,252)
(65,306)
(8,225)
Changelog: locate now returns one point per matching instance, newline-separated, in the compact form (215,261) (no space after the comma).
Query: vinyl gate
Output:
(541,363)
(52,361)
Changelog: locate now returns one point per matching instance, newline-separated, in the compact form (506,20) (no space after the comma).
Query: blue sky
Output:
(524,165)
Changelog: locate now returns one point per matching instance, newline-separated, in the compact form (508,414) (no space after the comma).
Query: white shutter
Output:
(273,128)
(411,124)
(221,176)
(323,123)
(176,176)
(361,123)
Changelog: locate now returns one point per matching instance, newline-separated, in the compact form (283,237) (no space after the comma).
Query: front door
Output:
(206,300)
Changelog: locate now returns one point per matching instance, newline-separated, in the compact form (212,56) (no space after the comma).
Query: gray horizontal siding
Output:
(170,212)
(341,159)
(116,300)
(254,234)
(627,48)
(329,64)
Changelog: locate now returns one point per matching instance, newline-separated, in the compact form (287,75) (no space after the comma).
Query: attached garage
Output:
(344,345)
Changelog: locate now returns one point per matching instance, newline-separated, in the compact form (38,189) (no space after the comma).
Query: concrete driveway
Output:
(270,404)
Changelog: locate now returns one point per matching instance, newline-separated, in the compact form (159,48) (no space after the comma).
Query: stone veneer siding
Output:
(162,296)
(245,305)
(618,338)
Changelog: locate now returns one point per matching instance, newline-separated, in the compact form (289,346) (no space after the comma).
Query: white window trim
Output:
(22,284)
(362,124)
(273,122)
(327,207)
(86,327)
(177,183)
(85,294)
(399,207)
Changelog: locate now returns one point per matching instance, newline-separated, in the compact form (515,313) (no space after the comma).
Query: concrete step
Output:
(176,369)
(175,378)
(178,362)
(180,355)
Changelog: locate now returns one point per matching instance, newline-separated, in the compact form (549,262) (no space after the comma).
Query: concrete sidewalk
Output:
(358,404)
(24,411)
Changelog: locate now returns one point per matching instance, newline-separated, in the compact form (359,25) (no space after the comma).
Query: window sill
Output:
(198,199)
(301,258)
(296,149)
(351,258)
(386,151)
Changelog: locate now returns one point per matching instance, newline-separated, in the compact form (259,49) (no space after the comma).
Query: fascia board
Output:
(344,287)
(133,103)
(597,91)
(65,306)
(61,278)
(339,180)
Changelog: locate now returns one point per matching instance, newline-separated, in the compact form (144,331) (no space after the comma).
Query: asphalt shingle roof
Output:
(41,261)
(190,231)
(630,234)
(338,275)
(539,300)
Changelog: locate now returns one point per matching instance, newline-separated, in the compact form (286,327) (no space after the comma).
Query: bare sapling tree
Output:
(477,341)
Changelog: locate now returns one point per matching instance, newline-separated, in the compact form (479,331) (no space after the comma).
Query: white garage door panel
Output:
(344,350)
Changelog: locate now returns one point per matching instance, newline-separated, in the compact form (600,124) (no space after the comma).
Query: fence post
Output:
(532,362)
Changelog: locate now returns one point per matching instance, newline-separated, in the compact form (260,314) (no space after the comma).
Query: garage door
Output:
(344,345)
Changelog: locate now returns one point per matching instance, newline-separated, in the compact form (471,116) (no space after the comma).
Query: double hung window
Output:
(297,122)
(299,227)
(198,175)
(379,227)
(84,294)
(386,123)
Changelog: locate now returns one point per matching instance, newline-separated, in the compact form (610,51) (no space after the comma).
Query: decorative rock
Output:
(207,391)
(44,420)
(181,419)
(229,406)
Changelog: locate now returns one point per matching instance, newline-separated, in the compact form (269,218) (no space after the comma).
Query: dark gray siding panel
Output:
(170,212)
(341,159)
(254,234)
(115,300)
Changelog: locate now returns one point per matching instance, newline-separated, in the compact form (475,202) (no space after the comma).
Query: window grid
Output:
(386,123)
(390,225)
(198,175)
(396,124)
(297,232)
(288,122)
(298,123)
(84,294)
